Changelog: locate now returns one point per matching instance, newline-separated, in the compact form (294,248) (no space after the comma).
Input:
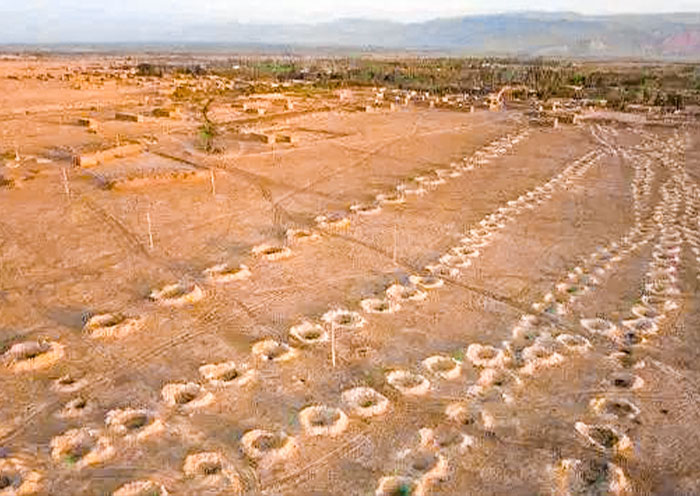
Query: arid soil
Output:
(405,301)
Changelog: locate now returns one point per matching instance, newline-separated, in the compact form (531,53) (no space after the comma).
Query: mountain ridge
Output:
(566,34)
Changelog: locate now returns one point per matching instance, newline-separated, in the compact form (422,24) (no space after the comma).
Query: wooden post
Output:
(66,187)
(150,230)
(333,344)
(213,184)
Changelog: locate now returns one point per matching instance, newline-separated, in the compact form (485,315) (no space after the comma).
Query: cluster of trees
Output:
(147,69)
(667,85)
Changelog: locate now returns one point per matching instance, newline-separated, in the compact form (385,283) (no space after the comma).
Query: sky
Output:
(65,21)
(288,11)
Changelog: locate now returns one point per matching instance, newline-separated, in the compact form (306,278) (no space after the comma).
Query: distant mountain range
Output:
(523,34)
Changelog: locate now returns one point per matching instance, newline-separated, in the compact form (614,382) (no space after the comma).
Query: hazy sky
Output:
(316,10)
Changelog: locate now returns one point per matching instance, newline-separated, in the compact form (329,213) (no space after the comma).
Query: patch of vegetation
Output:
(152,70)
(207,132)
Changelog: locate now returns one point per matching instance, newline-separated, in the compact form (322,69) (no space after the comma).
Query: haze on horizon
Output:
(312,11)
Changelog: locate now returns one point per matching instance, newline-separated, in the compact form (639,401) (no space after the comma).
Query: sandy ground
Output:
(564,308)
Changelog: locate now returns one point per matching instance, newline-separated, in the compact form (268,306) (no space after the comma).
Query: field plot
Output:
(409,301)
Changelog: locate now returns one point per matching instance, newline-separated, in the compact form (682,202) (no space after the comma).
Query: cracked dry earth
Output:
(468,306)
